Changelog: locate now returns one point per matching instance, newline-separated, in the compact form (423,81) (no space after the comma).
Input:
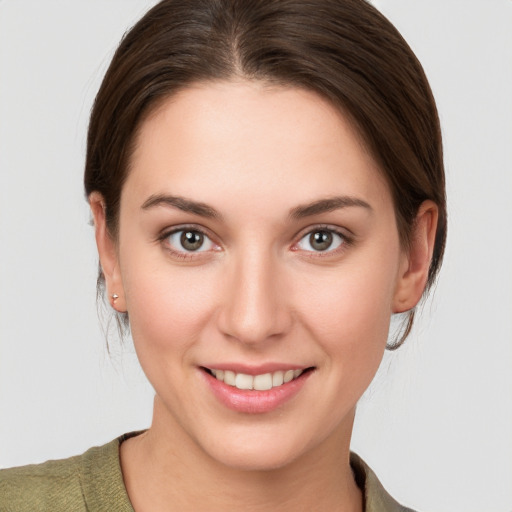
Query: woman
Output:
(267,187)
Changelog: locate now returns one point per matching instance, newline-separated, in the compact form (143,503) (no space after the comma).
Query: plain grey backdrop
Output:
(436,424)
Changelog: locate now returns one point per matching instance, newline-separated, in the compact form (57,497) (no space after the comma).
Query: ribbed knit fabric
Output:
(376,498)
(93,482)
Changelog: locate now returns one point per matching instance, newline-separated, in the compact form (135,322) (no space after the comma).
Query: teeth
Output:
(262,382)
(243,381)
(277,378)
(258,382)
(288,376)
(229,378)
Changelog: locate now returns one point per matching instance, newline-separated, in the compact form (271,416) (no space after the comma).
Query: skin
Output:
(259,292)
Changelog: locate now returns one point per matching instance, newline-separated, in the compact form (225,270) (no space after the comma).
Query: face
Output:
(257,244)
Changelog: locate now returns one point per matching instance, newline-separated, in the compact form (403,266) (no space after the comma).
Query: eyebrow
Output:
(183,204)
(299,212)
(328,205)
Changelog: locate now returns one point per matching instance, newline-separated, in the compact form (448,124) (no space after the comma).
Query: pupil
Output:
(320,240)
(191,240)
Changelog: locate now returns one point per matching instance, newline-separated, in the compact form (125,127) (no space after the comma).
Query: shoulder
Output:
(54,485)
(376,498)
(91,481)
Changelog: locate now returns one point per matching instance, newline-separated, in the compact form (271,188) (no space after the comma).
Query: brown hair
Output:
(344,50)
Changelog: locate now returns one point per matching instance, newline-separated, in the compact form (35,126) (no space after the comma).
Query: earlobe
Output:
(107,253)
(413,274)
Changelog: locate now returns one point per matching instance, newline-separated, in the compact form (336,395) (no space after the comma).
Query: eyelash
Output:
(346,241)
(184,254)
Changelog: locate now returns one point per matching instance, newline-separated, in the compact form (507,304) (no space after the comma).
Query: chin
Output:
(264,448)
(255,458)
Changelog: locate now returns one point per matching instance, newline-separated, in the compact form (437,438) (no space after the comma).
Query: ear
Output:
(108,254)
(415,265)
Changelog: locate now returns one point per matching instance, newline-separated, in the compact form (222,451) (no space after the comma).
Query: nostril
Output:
(254,307)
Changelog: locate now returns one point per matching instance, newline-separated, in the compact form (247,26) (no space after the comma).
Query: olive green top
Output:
(93,482)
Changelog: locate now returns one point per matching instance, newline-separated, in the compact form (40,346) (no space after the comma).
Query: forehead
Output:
(253,138)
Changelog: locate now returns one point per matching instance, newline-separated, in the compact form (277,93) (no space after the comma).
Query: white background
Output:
(436,425)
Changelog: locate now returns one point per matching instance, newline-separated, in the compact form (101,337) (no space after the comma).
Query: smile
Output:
(262,382)
(253,392)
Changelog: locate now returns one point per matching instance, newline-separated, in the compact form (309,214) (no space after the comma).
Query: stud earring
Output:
(115,297)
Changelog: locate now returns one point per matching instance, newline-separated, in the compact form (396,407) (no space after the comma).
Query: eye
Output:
(189,240)
(321,240)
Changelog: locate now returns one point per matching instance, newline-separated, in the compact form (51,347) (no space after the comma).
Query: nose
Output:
(255,307)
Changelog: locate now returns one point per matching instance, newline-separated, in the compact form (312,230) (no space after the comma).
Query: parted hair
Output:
(344,50)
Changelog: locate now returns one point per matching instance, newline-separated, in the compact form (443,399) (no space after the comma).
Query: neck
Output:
(164,470)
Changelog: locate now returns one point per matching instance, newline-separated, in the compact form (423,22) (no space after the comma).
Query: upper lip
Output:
(255,369)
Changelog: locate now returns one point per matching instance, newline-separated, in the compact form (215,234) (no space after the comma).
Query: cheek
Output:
(349,320)
(168,305)
(349,309)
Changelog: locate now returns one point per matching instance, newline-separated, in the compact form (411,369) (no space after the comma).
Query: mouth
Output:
(262,382)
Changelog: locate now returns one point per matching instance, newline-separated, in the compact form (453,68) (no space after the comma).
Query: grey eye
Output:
(189,240)
(320,240)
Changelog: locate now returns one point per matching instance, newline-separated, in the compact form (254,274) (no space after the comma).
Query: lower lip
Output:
(252,401)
